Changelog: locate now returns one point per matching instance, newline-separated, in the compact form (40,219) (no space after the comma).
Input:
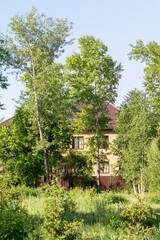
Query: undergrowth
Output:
(55,213)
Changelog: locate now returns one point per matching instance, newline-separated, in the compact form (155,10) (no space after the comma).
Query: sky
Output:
(118,23)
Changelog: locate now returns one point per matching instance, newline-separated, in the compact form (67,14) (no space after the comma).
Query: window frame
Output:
(79,144)
(103,168)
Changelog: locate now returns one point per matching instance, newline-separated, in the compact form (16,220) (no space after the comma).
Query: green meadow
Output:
(55,213)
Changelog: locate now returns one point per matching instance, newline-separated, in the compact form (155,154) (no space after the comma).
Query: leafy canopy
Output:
(149,54)
(136,126)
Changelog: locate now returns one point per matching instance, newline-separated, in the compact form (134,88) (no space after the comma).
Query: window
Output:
(78,143)
(104,167)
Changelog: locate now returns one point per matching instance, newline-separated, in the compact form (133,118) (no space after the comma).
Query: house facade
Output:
(109,178)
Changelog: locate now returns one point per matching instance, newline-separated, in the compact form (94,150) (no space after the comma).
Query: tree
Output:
(93,79)
(20,159)
(55,109)
(5,60)
(153,167)
(35,43)
(79,170)
(135,128)
(20,150)
(149,54)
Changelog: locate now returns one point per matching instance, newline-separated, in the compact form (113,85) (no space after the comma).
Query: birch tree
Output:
(149,54)
(35,42)
(5,61)
(135,128)
(93,79)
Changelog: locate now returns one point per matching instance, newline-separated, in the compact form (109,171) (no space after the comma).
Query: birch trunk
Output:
(46,165)
(97,155)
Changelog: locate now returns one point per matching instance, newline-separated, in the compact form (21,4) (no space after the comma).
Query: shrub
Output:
(58,223)
(16,194)
(15,223)
(139,232)
(140,214)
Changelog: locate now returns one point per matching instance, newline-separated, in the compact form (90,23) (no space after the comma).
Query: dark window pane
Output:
(81,142)
(78,143)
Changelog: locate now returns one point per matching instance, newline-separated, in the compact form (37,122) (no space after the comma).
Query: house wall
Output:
(110,179)
(112,159)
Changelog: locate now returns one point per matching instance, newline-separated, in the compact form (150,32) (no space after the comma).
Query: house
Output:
(6,122)
(108,176)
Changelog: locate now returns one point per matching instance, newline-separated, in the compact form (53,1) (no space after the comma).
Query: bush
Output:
(15,223)
(140,214)
(139,232)
(16,194)
(58,223)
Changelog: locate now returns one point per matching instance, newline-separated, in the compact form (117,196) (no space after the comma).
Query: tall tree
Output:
(93,79)
(55,113)
(20,150)
(135,128)
(18,155)
(149,54)
(153,168)
(35,43)
(5,60)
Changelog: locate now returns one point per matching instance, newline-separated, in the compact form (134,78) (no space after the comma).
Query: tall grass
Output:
(100,213)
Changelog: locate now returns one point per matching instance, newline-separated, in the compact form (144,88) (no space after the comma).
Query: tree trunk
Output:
(98,171)
(46,165)
(140,193)
(97,155)
(134,188)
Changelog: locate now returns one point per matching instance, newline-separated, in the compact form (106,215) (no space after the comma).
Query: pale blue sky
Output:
(118,23)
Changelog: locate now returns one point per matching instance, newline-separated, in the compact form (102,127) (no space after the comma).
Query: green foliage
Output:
(99,214)
(56,215)
(142,222)
(92,73)
(55,221)
(116,198)
(94,207)
(140,214)
(93,78)
(153,198)
(136,127)
(79,169)
(153,168)
(35,42)
(12,194)
(149,54)
(16,223)
(139,233)
(55,113)
(19,157)
(38,38)
(5,61)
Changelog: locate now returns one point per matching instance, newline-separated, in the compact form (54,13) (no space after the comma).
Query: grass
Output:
(100,213)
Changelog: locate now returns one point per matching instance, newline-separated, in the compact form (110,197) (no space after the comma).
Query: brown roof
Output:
(113,111)
(6,122)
